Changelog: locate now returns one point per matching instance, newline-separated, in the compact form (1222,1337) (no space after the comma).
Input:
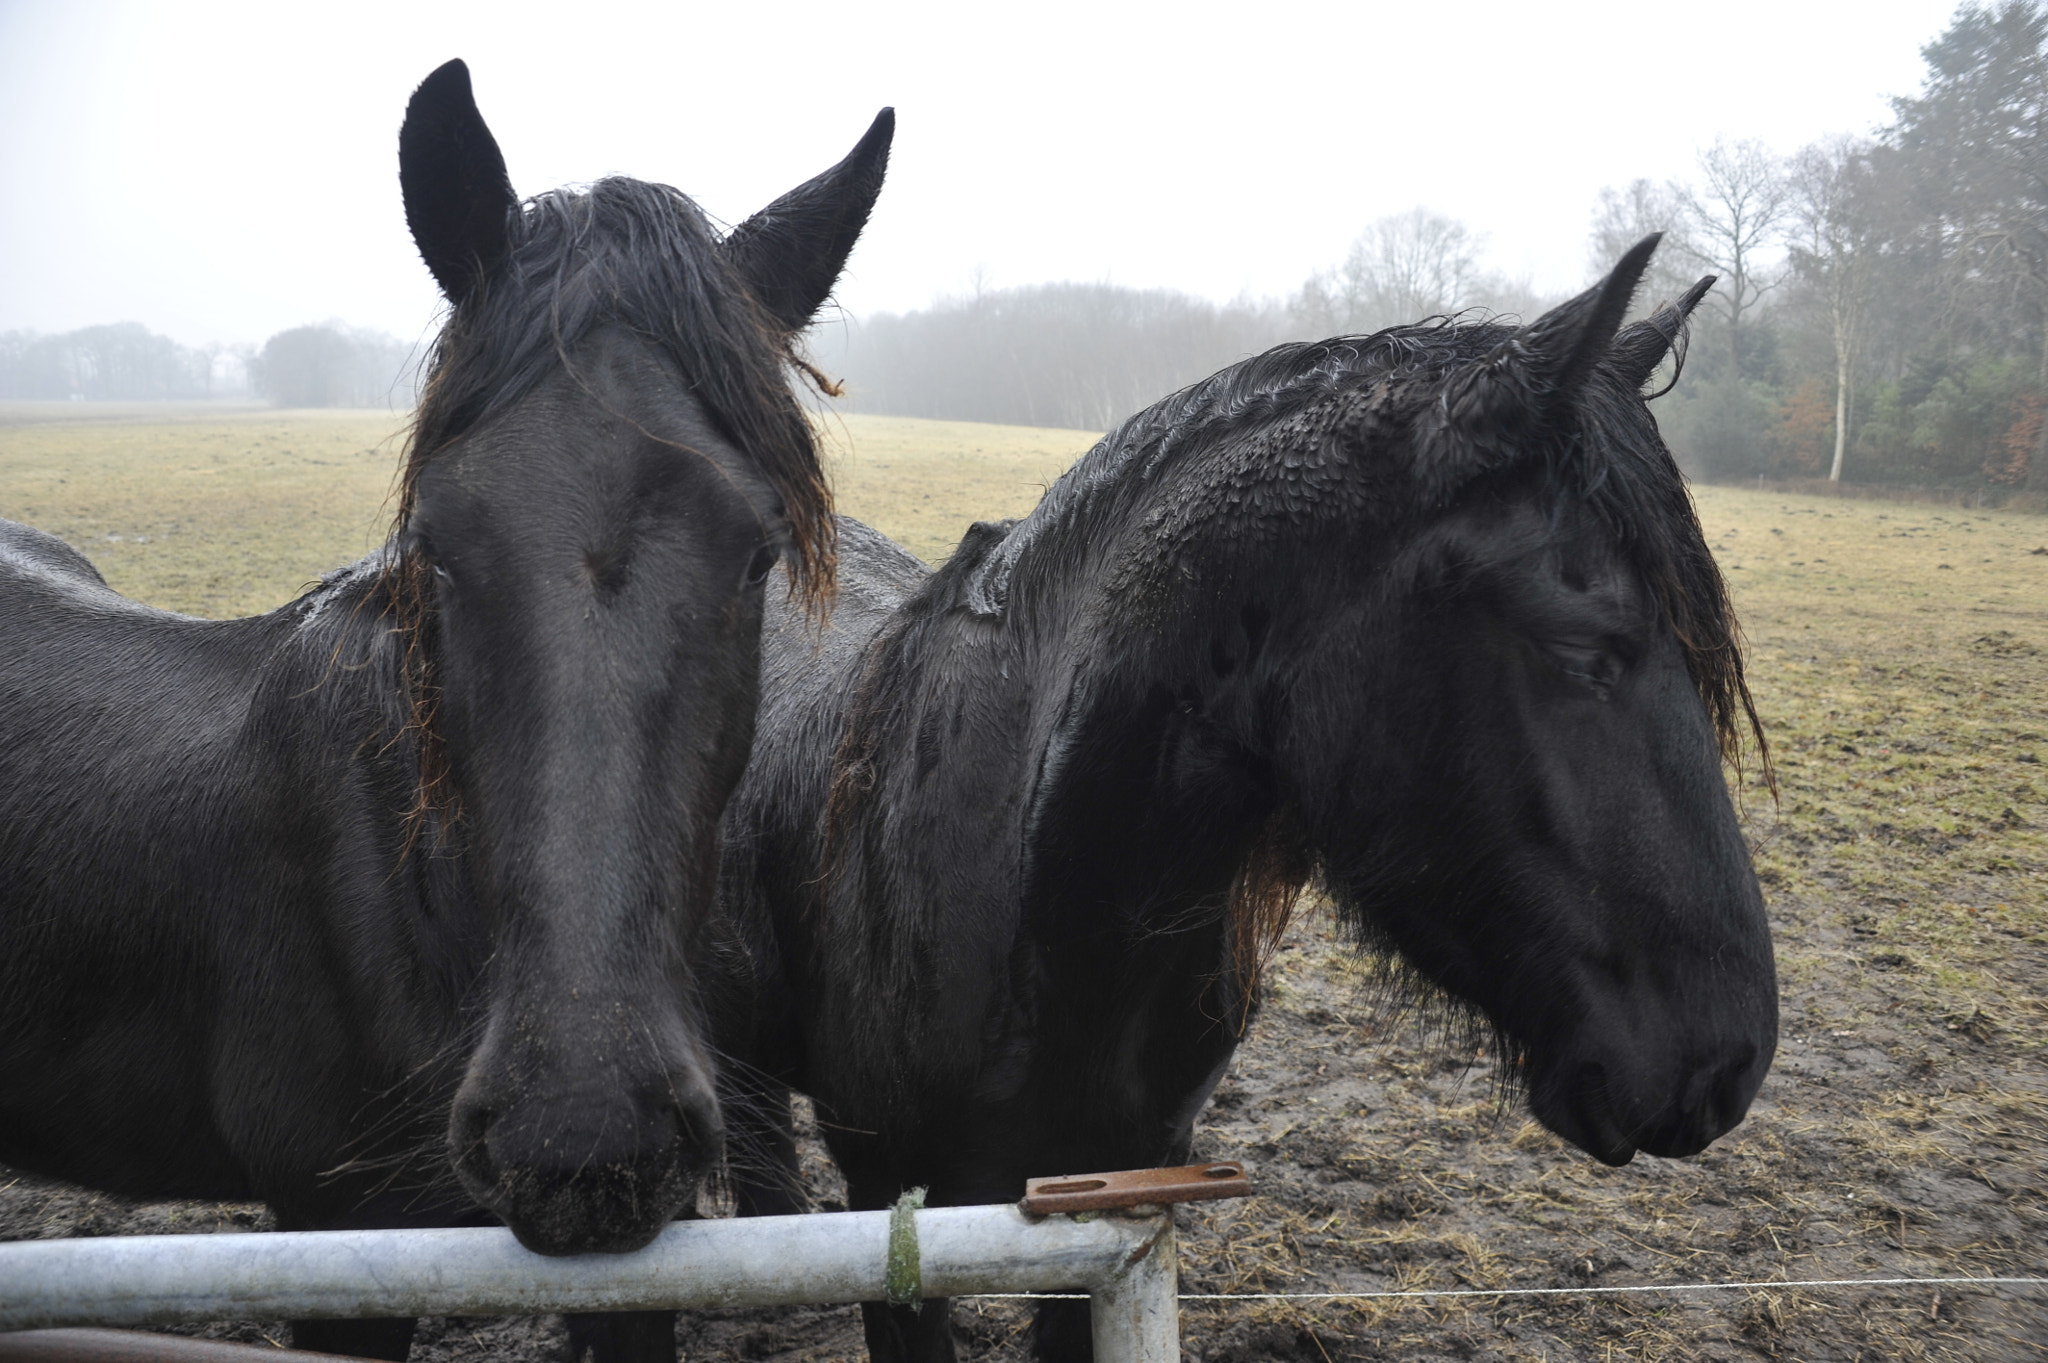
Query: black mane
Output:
(1250,441)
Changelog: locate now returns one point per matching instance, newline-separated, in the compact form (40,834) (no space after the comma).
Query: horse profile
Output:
(1424,619)
(383,907)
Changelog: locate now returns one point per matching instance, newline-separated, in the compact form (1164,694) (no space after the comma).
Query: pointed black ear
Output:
(458,199)
(1485,409)
(791,252)
(1640,348)
(1564,344)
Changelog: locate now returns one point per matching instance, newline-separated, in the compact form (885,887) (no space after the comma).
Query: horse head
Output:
(607,465)
(1503,738)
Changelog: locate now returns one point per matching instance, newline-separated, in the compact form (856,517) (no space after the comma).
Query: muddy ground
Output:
(1901,662)
(1907,1144)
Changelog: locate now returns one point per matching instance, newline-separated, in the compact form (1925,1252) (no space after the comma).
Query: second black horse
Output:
(1424,619)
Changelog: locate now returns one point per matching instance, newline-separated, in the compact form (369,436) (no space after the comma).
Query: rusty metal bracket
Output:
(1134,1188)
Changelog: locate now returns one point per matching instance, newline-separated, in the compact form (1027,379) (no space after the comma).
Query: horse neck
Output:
(1129,757)
(1146,777)
(331,703)
(333,666)
(330,696)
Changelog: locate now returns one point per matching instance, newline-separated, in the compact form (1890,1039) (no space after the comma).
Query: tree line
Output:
(335,366)
(328,365)
(124,361)
(1087,355)
(1881,313)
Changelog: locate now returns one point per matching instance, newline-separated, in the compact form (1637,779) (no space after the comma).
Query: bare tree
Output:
(1400,269)
(1623,217)
(1834,244)
(1733,217)
(332,365)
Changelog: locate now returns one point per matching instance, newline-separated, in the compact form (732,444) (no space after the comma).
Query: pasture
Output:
(1899,656)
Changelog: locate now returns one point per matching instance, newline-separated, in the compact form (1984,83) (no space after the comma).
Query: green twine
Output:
(905,1277)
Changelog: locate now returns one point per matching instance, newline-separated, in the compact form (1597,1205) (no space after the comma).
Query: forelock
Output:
(644,257)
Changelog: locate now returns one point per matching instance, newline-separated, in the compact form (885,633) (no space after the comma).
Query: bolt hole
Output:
(1220,1171)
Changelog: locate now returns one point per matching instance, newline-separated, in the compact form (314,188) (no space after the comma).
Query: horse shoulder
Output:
(211,819)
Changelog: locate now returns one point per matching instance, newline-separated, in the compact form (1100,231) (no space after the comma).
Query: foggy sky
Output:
(221,172)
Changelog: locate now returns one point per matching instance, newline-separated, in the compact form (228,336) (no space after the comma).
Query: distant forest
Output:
(1881,316)
(122,362)
(329,365)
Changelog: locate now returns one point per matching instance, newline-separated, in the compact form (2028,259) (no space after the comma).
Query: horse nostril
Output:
(469,1149)
(1713,1102)
(697,1122)
(469,1131)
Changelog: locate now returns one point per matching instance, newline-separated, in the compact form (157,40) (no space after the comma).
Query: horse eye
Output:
(1589,663)
(442,573)
(763,563)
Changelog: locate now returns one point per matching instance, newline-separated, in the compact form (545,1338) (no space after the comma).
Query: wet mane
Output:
(1225,431)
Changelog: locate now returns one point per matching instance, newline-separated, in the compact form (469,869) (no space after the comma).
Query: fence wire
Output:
(1419,1294)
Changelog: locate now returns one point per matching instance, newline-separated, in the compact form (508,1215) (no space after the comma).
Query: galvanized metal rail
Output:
(1124,1260)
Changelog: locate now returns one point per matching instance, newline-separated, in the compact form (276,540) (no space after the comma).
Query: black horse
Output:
(1423,618)
(382,907)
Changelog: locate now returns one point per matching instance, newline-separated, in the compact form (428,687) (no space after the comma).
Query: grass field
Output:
(202,510)
(1899,655)
(223,512)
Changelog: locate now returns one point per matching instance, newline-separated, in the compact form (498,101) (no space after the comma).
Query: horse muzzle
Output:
(576,1176)
(1612,1109)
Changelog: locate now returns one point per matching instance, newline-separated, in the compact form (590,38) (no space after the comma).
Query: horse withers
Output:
(1423,618)
(385,907)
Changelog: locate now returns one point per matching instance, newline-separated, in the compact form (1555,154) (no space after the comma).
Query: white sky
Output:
(220,172)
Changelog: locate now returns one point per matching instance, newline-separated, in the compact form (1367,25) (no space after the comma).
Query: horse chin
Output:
(1575,1104)
(1614,1156)
(613,1212)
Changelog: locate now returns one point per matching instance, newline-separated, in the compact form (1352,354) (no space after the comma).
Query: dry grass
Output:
(228,511)
(923,482)
(197,509)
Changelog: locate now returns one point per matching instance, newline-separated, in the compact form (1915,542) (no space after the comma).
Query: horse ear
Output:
(1483,410)
(1562,346)
(458,199)
(791,252)
(1640,348)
